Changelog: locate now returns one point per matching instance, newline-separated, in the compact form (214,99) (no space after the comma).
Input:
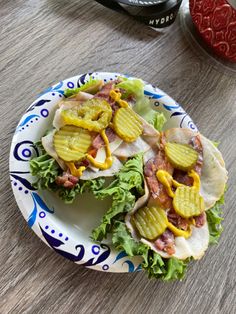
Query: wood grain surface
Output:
(45,41)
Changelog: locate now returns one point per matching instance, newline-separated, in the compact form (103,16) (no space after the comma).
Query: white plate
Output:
(67,228)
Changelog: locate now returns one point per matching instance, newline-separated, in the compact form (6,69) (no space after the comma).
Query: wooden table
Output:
(45,41)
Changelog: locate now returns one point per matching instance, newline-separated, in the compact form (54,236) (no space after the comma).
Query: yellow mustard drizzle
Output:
(192,221)
(178,232)
(116,96)
(108,161)
(167,180)
(77,172)
(196,179)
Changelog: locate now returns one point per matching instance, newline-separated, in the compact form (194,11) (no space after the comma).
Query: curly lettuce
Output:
(135,88)
(153,263)
(214,219)
(156,119)
(127,184)
(46,169)
(125,190)
(91,86)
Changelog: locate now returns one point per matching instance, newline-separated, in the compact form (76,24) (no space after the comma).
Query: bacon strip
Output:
(67,180)
(200,220)
(105,94)
(177,221)
(166,242)
(157,190)
(98,141)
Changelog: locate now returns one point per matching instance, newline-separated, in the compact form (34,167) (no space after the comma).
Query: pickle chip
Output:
(127,124)
(71,143)
(150,222)
(94,115)
(181,156)
(188,202)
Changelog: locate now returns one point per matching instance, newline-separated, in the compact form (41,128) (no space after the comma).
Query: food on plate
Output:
(172,219)
(166,186)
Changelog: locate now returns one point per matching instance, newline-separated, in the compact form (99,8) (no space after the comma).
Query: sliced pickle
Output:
(127,124)
(71,143)
(188,202)
(181,156)
(150,222)
(94,115)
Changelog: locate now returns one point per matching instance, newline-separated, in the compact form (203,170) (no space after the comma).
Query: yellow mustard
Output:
(167,180)
(196,179)
(77,172)
(108,161)
(116,96)
(178,232)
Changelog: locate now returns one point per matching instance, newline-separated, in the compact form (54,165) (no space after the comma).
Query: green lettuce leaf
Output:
(156,119)
(92,87)
(153,263)
(214,219)
(93,185)
(216,144)
(175,268)
(135,88)
(46,169)
(123,241)
(67,195)
(128,183)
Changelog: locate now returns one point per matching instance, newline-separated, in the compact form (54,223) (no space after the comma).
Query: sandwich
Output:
(166,186)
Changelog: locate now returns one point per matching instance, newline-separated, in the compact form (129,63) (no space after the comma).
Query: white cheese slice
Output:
(131,149)
(88,174)
(101,153)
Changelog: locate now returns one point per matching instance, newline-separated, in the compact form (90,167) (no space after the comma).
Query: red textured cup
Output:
(216,23)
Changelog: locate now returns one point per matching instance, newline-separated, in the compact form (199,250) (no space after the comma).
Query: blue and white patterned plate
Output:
(66,228)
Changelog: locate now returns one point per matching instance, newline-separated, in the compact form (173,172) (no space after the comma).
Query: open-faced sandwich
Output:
(166,188)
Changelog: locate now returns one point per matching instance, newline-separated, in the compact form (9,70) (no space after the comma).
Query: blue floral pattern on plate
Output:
(42,216)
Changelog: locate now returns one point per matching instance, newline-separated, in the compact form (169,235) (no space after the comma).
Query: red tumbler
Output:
(215,21)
